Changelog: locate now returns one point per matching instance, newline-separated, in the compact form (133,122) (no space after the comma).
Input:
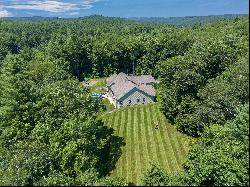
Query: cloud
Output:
(50,6)
(73,13)
(4,13)
(54,6)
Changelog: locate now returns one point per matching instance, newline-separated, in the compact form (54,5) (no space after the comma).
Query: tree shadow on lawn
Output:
(111,153)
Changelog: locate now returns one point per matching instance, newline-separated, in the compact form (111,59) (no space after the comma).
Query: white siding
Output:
(135,97)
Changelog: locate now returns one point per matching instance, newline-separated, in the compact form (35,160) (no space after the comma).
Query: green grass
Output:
(108,106)
(144,143)
(99,87)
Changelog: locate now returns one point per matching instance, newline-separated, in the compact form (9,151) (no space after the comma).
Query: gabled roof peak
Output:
(120,84)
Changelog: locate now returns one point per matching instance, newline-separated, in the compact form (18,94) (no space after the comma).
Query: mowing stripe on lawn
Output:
(114,121)
(165,144)
(128,148)
(133,146)
(121,132)
(122,122)
(173,141)
(162,151)
(170,140)
(145,144)
(138,160)
(117,124)
(147,136)
(155,132)
(110,120)
(184,140)
(124,160)
(181,149)
(153,145)
(140,143)
(177,146)
(119,116)
(140,140)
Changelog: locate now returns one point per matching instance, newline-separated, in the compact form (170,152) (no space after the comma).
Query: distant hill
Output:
(188,20)
(34,18)
(90,18)
(178,21)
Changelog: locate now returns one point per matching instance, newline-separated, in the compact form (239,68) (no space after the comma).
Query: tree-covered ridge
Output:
(189,20)
(98,46)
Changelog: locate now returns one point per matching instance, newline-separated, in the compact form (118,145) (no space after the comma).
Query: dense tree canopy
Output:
(197,88)
(49,127)
(220,156)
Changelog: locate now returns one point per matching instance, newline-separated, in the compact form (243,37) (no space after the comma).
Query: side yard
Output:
(98,86)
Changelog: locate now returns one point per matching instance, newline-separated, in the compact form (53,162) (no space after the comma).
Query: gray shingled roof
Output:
(111,79)
(142,79)
(121,84)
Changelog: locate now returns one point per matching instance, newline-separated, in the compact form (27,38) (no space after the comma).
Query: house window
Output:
(144,99)
(129,102)
(121,103)
(138,100)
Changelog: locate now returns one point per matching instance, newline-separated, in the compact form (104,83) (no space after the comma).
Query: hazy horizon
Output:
(121,8)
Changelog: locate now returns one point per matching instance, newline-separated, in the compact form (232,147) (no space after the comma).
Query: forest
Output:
(189,20)
(50,132)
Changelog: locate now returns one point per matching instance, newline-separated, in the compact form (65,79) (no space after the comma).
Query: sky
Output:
(121,8)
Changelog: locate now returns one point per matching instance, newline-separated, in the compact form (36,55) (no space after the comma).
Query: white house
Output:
(124,90)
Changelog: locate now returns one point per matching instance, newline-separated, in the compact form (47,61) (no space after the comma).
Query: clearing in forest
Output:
(144,142)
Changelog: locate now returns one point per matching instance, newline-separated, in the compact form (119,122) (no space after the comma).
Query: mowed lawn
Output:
(144,143)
